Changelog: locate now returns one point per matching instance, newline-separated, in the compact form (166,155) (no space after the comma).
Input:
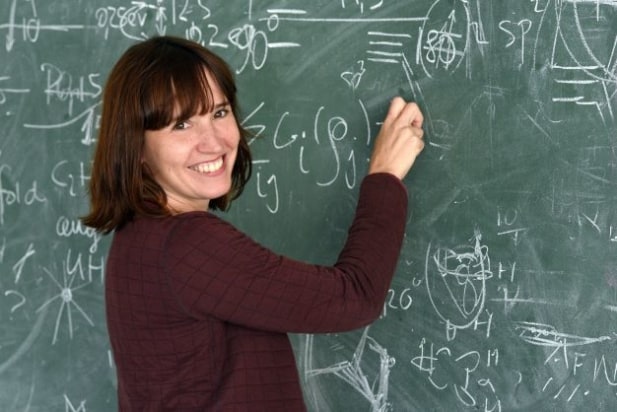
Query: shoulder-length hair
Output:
(150,82)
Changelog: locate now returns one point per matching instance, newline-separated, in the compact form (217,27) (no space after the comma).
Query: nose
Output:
(209,138)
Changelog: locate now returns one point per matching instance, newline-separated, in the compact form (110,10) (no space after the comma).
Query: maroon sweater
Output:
(198,312)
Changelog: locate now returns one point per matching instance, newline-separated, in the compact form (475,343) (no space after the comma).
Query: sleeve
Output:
(215,270)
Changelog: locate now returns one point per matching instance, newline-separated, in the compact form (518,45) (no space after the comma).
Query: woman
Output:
(197,312)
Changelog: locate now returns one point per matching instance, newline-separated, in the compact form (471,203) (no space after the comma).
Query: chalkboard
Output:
(505,296)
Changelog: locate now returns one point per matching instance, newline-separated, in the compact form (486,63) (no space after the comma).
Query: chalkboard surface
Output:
(506,292)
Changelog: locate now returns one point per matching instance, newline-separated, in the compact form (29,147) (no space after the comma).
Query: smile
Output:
(208,167)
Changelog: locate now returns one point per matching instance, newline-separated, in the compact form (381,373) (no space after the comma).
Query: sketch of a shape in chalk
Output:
(456,279)
(66,297)
(449,32)
(375,391)
(591,72)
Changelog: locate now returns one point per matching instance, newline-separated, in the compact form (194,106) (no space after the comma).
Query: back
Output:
(161,352)
(170,356)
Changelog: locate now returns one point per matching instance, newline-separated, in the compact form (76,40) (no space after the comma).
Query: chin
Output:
(215,194)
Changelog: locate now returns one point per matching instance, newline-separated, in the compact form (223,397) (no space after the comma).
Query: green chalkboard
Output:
(505,296)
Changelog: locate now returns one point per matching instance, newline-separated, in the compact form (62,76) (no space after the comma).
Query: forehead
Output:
(215,88)
(203,98)
(176,96)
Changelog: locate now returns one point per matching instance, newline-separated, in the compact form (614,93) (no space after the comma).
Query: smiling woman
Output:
(193,158)
(158,86)
(197,312)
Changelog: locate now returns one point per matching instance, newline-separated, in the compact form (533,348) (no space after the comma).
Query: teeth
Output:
(209,167)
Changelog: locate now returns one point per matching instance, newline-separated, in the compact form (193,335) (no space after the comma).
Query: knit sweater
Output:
(198,313)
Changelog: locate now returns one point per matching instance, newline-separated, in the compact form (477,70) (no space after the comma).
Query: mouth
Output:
(208,167)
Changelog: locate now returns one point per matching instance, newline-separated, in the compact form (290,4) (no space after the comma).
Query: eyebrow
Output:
(214,107)
(220,104)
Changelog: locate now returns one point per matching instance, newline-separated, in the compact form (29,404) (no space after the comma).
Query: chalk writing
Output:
(89,124)
(81,407)
(13,193)
(73,183)
(29,24)
(60,85)
(66,227)
(6,91)
(20,299)
(18,267)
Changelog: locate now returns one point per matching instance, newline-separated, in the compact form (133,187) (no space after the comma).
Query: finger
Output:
(412,115)
(417,131)
(396,106)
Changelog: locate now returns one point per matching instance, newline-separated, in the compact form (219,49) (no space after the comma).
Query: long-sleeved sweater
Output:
(198,313)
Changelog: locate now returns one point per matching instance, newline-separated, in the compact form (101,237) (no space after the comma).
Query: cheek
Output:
(234,139)
(235,143)
(154,160)
(231,131)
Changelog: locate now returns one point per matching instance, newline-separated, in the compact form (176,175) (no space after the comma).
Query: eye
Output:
(181,125)
(223,112)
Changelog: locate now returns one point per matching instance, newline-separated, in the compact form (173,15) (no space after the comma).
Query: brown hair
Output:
(148,82)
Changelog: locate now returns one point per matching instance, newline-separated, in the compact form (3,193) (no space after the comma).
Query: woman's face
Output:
(192,159)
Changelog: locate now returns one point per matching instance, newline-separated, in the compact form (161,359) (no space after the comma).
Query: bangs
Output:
(176,89)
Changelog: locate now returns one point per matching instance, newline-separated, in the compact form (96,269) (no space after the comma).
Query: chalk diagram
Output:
(590,72)
(66,296)
(375,389)
(443,43)
(459,274)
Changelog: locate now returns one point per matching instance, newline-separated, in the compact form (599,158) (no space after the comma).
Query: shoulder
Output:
(197,221)
(199,230)
(185,224)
